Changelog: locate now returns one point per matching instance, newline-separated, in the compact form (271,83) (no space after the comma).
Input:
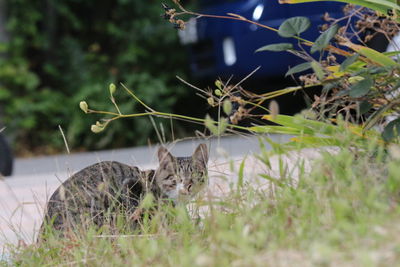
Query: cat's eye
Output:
(168,177)
(189,187)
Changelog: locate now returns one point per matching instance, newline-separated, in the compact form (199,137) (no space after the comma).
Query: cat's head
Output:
(180,178)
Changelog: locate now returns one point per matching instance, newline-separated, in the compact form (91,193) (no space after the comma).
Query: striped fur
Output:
(100,192)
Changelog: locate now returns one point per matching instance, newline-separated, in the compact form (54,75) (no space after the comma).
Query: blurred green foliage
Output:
(62,52)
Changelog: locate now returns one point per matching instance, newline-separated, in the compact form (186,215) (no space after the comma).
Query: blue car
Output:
(221,48)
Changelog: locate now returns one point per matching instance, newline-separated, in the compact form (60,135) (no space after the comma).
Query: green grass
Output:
(344,212)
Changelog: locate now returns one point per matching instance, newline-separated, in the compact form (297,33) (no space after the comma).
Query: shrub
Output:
(62,52)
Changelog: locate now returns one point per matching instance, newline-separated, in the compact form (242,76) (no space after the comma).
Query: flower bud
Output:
(96,128)
(210,101)
(83,106)
(112,88)
(218,92)
(218,84)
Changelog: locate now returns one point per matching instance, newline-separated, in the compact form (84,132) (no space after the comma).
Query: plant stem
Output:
(136,98)
(233,16)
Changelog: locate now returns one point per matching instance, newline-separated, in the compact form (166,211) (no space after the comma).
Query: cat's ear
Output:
(200,155)
(164,157)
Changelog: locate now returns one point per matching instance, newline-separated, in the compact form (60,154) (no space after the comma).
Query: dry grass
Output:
(342,210)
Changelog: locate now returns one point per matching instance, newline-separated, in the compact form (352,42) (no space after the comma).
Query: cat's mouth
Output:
(182,191)
(179,195)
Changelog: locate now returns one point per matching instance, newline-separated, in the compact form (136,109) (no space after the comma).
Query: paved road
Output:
(135,156)
(23,195)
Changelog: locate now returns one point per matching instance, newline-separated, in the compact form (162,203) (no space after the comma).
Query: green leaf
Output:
(391,131)
(276,47)
(364,107)
(318,70)
(317,141)
(324,39)
(241,174)
(298,68)
(300,124)
(4,93)
(373,55)
(378,70)
(342,93)
(275,181)
(274,129)
(294,26)
(350,60)
(361,88)
(329,86)
(391,53)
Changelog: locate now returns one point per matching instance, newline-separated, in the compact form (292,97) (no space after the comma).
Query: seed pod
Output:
(83,106)
(180,24)
(227,107)
(210,124)
(217,92)
(96,128)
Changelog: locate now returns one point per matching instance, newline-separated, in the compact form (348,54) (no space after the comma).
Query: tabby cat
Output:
(93,195)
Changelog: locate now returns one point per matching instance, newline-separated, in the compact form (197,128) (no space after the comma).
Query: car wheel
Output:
(6,158)
(381,44)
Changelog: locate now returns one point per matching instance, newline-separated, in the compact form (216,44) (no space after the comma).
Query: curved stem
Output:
(102,112)
(164,115)
(241,18)
(232,16)
(136,98)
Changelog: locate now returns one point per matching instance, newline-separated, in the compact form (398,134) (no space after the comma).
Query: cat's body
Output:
(100,192)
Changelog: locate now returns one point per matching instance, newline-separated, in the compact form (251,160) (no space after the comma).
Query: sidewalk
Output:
(138,156)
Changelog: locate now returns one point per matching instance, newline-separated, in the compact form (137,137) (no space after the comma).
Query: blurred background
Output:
(55,54)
